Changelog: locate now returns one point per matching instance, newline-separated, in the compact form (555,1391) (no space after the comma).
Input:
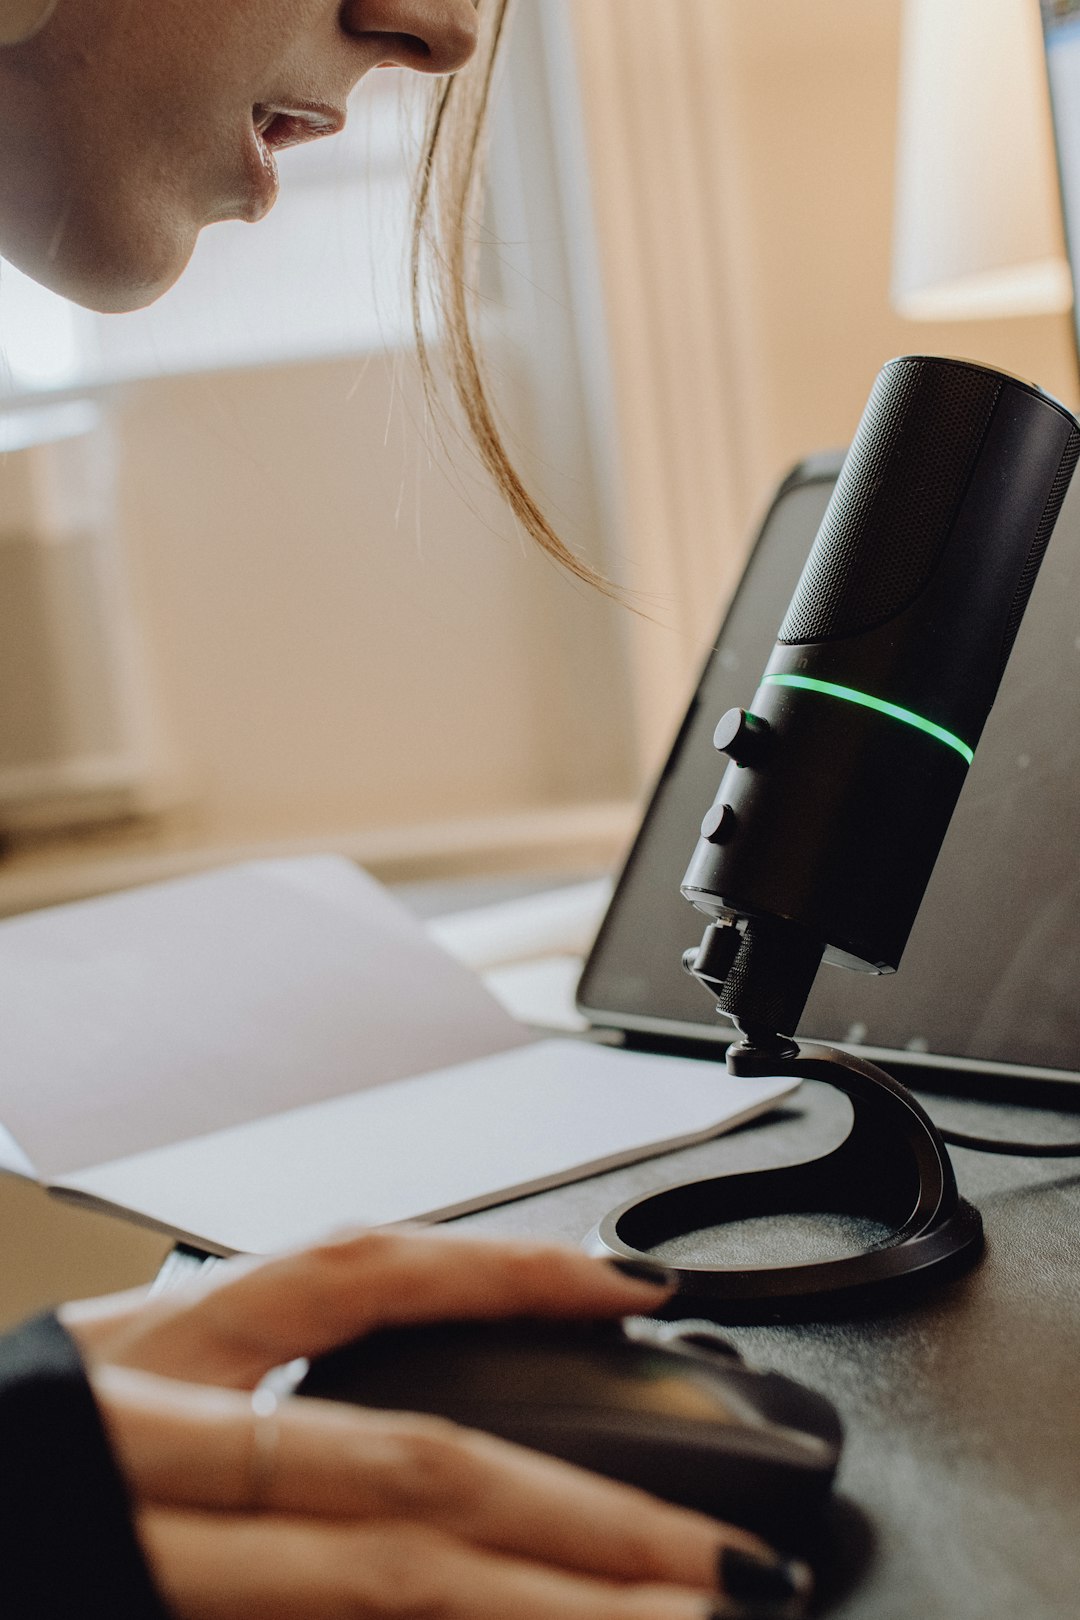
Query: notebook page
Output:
(141,1019)
(430,1147)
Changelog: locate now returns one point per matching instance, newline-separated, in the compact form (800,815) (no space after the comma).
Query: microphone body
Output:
(846,769)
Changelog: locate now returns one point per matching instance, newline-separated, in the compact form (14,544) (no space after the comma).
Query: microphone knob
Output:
(741,736)
(718,824)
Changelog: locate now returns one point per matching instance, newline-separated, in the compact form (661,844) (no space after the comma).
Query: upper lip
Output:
(299,121)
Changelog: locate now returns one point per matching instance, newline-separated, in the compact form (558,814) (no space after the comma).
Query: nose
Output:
(430,36)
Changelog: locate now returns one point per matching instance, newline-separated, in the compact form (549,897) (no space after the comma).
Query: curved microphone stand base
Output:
(892,1168)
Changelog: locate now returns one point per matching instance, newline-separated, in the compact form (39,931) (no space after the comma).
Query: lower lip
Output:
(262,177)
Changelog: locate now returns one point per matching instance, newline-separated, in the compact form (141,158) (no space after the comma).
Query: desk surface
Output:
(963,1413)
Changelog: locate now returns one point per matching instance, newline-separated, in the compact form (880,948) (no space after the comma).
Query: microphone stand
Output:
(892,1167)
(840,784)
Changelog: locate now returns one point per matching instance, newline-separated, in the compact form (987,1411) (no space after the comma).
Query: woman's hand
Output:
(247,1316)
(324,1511)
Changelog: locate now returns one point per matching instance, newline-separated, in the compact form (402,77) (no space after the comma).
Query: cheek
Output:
(120,225)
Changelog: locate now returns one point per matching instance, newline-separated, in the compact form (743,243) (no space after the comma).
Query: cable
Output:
(1024,1150)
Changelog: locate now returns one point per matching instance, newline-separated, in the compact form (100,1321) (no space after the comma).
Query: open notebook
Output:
(252,1056)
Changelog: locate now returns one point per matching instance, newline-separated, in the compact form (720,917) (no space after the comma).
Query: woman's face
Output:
(128,125)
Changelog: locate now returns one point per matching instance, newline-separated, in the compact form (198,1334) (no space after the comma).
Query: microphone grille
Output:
(894,502)
(1026,583)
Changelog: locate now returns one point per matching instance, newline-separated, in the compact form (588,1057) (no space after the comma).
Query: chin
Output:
(119,295)
(111,275)
(118,286)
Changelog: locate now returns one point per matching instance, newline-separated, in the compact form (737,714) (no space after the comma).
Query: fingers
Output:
(178,1443)
(250,1316)
(189,1447)
(281,1569)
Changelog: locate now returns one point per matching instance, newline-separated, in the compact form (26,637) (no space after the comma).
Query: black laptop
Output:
(987,998)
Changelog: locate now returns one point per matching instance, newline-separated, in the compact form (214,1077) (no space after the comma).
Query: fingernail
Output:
(768,1588)
(647,1271)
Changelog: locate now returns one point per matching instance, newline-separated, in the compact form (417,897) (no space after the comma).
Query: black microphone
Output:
(847,766)
(843,776)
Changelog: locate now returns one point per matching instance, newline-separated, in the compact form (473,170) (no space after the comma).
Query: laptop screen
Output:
(992,969)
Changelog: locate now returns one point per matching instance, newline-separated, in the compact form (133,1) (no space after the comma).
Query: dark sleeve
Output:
(67,1545)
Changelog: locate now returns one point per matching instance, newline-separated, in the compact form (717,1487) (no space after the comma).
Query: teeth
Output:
(279,127)
(263,118)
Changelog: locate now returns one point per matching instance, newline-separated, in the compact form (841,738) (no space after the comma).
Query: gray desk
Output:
(962,1414)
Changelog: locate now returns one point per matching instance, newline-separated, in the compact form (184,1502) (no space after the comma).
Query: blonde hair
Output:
(448,202)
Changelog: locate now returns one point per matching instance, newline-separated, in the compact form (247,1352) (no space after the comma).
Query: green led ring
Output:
(808,683)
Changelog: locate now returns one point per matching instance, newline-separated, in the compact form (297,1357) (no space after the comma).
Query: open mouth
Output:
(279,127)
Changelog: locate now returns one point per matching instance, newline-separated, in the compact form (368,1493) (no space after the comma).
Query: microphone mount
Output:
(892,1168)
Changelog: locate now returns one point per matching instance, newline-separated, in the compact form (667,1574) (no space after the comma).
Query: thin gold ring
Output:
(265,1440)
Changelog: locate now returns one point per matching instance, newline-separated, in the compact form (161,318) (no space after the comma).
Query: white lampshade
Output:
(978,229)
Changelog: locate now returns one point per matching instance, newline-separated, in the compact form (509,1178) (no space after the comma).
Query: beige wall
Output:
(340,632)
(817,110)
(743,157)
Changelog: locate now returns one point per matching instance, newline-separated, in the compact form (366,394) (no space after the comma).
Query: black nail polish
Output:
(764,1585)
(649,1271)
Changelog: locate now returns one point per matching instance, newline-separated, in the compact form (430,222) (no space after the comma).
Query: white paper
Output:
(430,1147)
(555,922)
(540,993)
(13,1161)
(146,1018)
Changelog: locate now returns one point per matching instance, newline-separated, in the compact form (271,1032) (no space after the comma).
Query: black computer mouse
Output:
(668,1406)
